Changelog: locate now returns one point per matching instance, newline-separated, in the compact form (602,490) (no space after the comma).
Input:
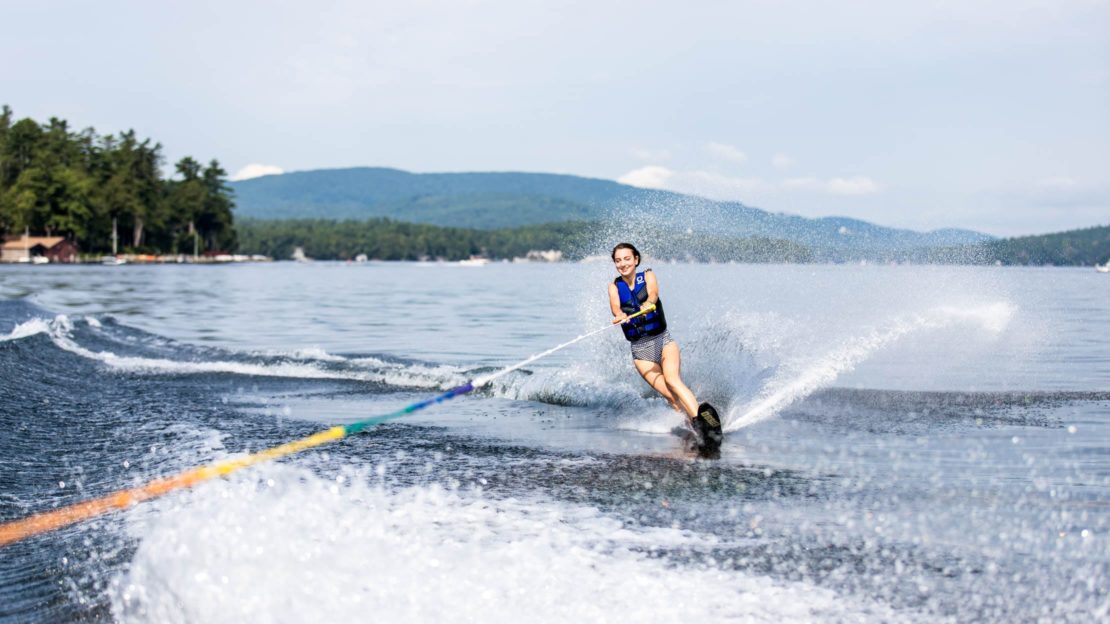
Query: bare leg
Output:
(672,377)
(653,375)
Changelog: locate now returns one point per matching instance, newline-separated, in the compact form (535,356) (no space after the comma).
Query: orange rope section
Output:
(50,520)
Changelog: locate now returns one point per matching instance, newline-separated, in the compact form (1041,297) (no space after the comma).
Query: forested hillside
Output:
(1086,247)
(57,181)
(384,239)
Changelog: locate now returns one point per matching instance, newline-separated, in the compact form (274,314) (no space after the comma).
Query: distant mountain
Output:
(501,200)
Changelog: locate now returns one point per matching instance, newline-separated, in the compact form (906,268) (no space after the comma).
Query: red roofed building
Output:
(27,248)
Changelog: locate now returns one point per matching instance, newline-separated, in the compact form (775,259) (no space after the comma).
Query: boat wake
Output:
(797,380)
(128,350)
(749,391)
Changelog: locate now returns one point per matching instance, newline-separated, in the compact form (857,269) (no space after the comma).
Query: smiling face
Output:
(626,262)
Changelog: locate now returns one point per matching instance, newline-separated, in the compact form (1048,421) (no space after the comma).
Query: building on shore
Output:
(36,249)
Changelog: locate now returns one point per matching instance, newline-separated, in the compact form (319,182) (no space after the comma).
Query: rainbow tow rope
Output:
(36,524)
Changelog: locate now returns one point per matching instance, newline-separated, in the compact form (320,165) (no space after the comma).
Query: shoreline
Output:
(121,259)
(149,260)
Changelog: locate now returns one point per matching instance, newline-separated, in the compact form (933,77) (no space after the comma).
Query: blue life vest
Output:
(651,324)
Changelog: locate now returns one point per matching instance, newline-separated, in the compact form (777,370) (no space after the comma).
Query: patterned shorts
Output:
(650,348)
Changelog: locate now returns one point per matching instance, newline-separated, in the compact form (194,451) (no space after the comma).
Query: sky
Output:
(991,115)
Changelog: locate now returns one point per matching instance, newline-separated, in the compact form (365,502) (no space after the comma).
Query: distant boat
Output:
(474,262)
(1103,268)
(112,260)
(40,260)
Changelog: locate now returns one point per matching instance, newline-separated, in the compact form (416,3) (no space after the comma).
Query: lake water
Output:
(904,444)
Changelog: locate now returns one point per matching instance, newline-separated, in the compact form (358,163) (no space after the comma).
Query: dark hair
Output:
(628,246)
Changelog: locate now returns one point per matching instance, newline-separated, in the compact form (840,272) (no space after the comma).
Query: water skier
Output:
(654,353)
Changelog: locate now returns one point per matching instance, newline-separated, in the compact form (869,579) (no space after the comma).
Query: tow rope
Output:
(50,520)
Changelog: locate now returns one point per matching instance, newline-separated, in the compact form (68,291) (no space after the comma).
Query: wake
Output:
(791,386)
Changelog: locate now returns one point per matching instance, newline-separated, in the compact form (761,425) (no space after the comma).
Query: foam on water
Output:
(732,376)
(659,419)
(306,363)
(800,379)
(591,383)
(580,385)
(28,328)
(285,544)
(308,353)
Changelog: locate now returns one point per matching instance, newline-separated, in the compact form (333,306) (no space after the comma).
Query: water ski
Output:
(707,426)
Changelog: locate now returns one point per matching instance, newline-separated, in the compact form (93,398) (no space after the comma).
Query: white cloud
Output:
(255,170)
(781,161)
(651,176)
(858,185)
(696,182)
(718,186)
(726,152)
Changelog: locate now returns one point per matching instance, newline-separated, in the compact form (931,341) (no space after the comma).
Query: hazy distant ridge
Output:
(506,199)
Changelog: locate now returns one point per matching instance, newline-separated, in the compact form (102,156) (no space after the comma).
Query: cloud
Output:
(713,185)
(651,176)
(696,182)
(781,161)
(858,185)
(726,152)
(255,170)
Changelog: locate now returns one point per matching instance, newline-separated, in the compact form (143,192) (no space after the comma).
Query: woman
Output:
(654,353)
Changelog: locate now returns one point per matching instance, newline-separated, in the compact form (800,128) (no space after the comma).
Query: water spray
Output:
(994,318)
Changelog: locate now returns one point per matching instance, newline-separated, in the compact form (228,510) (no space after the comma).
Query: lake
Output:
(904,443)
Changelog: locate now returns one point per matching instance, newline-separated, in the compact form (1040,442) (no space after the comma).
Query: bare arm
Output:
(615,305)
(652,288)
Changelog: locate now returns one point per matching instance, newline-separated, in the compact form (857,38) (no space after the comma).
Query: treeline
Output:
(79,185)
(1085,247)
(385,239)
